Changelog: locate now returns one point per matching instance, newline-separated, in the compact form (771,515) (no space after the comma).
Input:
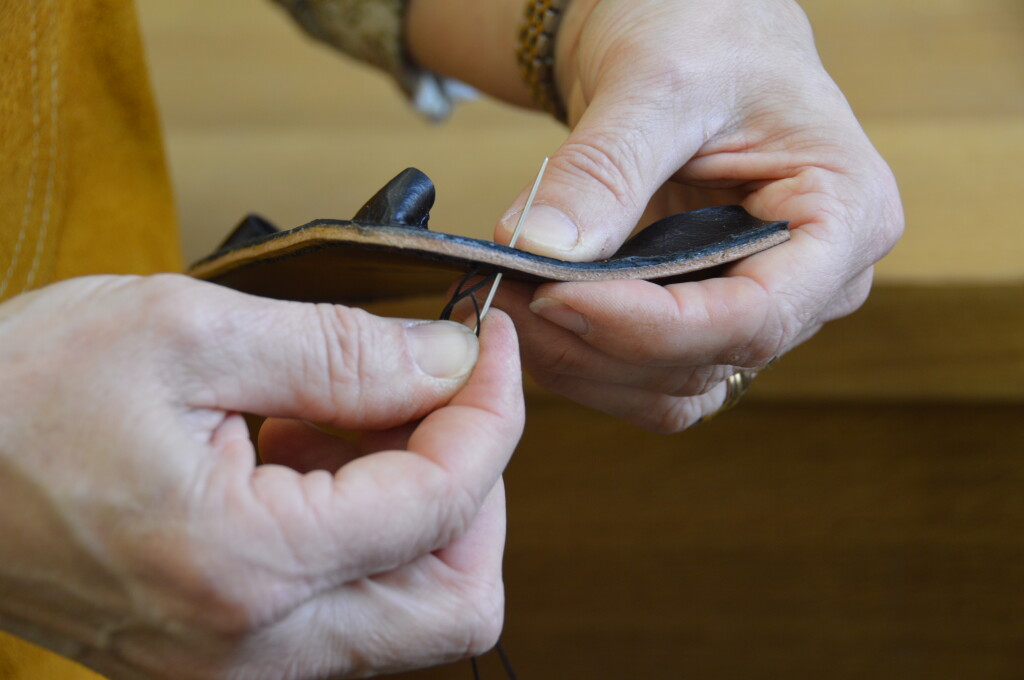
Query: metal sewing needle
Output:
(512,241)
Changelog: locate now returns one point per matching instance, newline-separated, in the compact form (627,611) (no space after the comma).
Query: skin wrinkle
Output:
(585,158)
(702,381)
(759,346)
(850,297)
(771,319)
(88,554)
(682,75)
(51,169)
(561,355)
(370,635)
(667,415)
(423,488)
(561,358)
(36,135)
(379,637)
(267,499)
(181,324)
(763,346)
(290,579)
(479,604)
(186,591)
(230,597)
(456,507)
(677,416)
(263,633)
(343,361)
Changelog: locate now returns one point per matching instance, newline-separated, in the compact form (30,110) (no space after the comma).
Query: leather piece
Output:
(251,229)
(407,200)
(353,261)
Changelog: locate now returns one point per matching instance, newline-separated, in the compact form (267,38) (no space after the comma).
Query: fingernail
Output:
(561,315)
(443,349)
(550,230)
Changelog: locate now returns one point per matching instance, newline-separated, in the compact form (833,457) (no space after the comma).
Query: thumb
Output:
(599,182)
(324,363)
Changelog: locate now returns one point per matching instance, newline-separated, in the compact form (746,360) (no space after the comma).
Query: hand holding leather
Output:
(678,106)
(140,537)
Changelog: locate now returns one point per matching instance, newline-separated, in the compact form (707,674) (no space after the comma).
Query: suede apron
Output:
(84,187)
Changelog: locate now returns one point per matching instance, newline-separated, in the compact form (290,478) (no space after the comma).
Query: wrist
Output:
(473,41)
(574,18)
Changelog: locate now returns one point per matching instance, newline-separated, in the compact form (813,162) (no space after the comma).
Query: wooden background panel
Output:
(926,344)
(959,179)
(921,343)
(776,542)
(924,58)
(260,119)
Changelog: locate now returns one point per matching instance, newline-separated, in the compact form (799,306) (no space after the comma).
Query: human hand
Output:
(140,537)
(676,106)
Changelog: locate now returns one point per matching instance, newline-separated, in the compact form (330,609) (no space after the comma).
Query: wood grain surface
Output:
(779,541)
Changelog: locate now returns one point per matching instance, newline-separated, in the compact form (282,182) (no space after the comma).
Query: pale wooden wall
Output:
(862,514)
(258,118)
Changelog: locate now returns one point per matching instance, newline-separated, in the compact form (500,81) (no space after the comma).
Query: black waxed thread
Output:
(505,661)
(503,655)
(461,293)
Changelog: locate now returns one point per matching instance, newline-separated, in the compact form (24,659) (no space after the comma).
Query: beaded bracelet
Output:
(536,53)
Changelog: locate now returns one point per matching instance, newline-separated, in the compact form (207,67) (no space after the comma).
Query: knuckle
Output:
(174,309)
(762,350)
(873,234)
(893,218)
(693,382)
(851,298)
(229,615)
(450,505)
(669,421)
(548,380)
(591,160)
(560,358)
(783,321)
(348,352)
(460,508)
(486,630)
(614,163)
(341,332)
(668,415)
(480,618)
(647,353)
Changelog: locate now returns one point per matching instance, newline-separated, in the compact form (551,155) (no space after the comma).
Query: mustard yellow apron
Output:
(83,182)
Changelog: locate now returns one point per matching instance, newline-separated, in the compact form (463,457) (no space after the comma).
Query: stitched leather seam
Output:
(36,118)
(51,169)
